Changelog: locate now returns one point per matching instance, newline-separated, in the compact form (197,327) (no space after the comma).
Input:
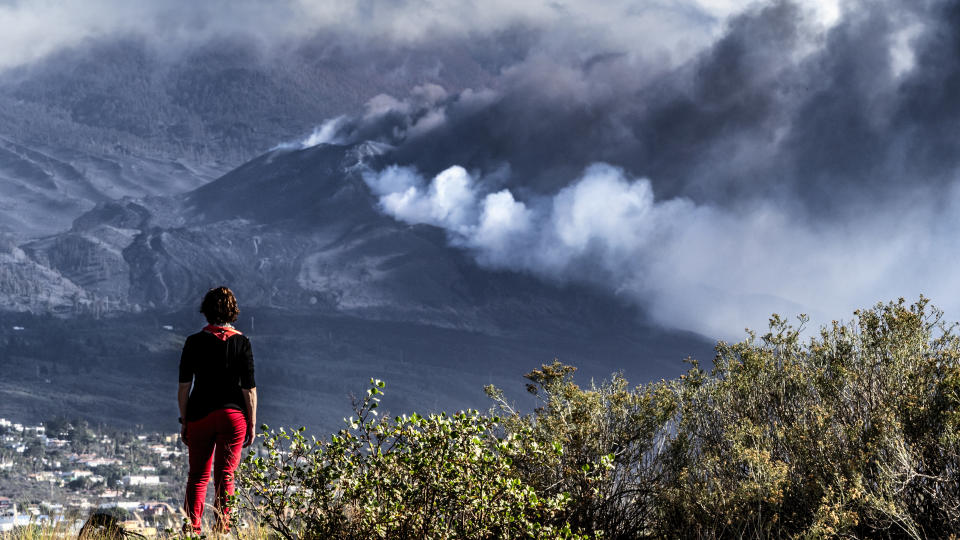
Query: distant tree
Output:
(120,514)
(34,449)
(57,426)
(78,484)
(112,474)
(81,437)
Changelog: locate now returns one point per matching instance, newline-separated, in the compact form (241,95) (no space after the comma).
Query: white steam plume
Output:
(698,267)
(325,134)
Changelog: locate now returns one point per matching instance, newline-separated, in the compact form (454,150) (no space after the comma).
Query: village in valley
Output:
(60,471)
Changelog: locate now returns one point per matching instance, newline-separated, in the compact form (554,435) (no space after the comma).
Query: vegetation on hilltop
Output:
(853,432)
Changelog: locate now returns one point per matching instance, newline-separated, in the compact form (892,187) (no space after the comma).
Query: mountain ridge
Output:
(332,292)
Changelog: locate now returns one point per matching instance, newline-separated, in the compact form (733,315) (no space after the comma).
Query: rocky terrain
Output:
(118,117)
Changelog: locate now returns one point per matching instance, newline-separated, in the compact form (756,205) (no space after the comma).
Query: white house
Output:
(10,517)
(76,474)
(98,462)
(126,505)
(140,480)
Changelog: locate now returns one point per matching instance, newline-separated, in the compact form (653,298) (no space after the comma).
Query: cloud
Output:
(393,180)
(504,223)
(449,201)
(693,266)
(325,134)
(32,29)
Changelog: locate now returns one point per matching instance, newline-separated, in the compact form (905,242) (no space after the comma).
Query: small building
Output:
(9,517)
(76,474)
(99,462)
(140,480)
(126,505)
(155,509)
(43,476)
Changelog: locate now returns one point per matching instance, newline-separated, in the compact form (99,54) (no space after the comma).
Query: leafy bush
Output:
(441,476)
(853,432)
(606,437)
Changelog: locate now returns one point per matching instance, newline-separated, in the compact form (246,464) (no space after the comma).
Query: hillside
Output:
(332,292)
(118,117)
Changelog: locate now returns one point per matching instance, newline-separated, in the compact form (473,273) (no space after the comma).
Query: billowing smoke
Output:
(783,169)
(691,265)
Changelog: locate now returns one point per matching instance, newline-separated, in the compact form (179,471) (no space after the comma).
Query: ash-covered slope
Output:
(298,230)
(43,189)
(339,292)
(118,117)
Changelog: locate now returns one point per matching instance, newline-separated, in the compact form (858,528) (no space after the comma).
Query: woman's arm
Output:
(186,381)
(250,400)
(183,394)
(249,386)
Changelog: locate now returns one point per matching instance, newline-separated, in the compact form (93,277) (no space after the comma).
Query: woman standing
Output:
(218,416)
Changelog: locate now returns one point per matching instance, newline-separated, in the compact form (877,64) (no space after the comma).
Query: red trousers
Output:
(215,439)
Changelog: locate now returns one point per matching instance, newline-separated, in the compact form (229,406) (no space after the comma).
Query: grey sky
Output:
(662,29)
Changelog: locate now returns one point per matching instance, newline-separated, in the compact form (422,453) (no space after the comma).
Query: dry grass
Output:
(65,529)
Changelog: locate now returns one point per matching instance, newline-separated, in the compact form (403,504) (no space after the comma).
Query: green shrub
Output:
(851,433)
(441,476)
(607,436)
(854,432)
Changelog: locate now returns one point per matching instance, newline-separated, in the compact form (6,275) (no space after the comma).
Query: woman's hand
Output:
(183,397)
(251,435)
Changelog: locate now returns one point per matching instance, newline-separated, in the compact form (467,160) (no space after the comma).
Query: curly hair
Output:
(220,306)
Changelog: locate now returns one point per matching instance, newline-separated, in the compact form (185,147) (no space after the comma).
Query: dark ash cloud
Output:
(784,168)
